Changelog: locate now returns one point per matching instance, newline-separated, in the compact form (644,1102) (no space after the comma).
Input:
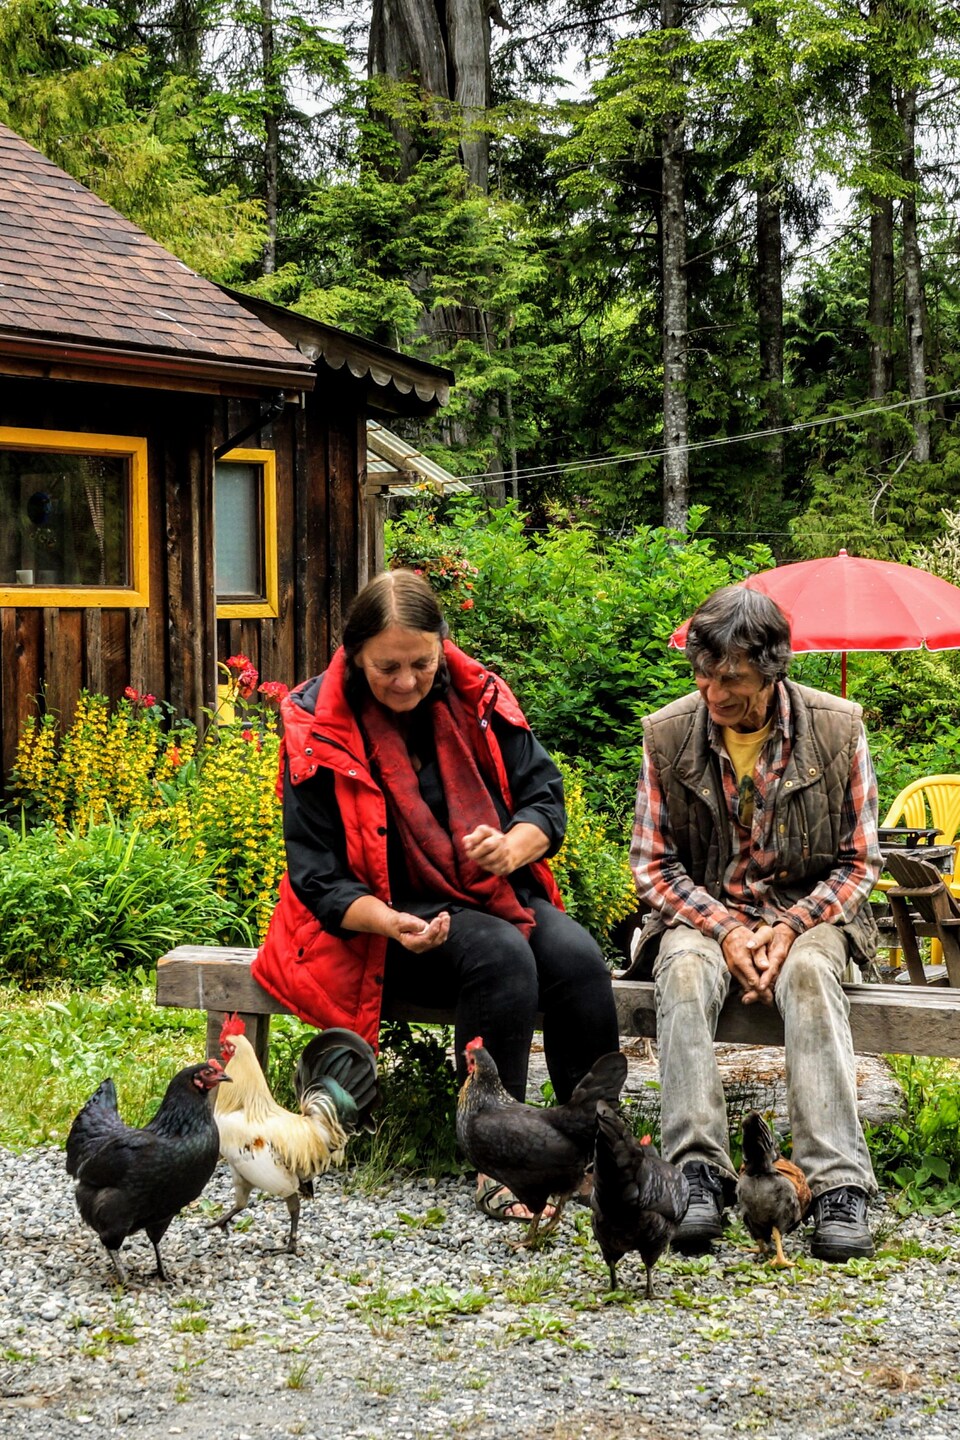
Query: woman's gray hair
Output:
(736,621)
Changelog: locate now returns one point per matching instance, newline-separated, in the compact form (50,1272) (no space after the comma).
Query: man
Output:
(755,849)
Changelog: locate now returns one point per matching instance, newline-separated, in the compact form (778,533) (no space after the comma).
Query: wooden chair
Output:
(930,803)
(923,906)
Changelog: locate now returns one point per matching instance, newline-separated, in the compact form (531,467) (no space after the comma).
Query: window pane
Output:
(239,529)
(64,519)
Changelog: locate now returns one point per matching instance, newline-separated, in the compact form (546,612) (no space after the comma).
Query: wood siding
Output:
(171,648)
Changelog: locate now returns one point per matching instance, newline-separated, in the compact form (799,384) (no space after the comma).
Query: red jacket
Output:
(323,978)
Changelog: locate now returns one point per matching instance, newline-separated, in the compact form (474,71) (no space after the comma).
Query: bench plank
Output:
(884,1019)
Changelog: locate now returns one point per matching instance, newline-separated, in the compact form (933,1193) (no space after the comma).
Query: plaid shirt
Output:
(748,895)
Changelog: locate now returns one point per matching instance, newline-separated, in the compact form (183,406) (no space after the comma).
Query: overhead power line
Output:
(482,478)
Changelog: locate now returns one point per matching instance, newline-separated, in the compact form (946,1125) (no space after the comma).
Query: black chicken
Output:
(130,1179)
(772,1192)
(537,1153)
(638,1199)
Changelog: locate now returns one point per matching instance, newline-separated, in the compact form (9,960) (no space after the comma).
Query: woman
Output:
(418,810)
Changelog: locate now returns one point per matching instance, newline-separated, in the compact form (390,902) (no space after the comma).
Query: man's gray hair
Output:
(735,621)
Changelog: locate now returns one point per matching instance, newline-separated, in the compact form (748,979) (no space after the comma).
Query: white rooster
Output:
(272,1149)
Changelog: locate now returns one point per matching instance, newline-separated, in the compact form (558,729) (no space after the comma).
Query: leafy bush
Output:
(577,625)
(920,1154)
(75,906)
(416,1124)
(592,870)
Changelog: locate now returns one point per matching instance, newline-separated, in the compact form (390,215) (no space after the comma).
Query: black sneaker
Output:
(840,1230)
(702,1222)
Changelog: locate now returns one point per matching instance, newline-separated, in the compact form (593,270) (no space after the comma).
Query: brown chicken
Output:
(538,1153)
(130,1179)
(638,1199)
(772,1192)
(276,1150)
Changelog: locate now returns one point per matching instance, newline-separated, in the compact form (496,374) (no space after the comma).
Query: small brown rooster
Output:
(273,1149)
(772,1192)
(537,1153)
(638,1199)
(130,1179)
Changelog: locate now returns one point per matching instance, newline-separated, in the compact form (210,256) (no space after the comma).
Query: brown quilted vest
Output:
(808,804)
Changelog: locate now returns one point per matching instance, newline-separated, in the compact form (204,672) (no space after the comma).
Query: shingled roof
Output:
(81,286)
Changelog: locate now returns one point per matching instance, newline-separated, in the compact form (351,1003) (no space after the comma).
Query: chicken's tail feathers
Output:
(760,1149)
(342,1065)
(603,1081)
(99,1113)
(609,1121)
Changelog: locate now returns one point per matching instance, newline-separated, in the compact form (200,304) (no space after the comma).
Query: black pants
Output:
(497,982)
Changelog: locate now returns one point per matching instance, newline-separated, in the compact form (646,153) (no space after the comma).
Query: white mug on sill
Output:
(24,577)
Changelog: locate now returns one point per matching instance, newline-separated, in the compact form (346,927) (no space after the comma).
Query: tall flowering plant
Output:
(215,795)
(111,760)
(592,871)
(231,812)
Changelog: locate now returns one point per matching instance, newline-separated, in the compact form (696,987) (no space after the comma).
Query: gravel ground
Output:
(407,1315)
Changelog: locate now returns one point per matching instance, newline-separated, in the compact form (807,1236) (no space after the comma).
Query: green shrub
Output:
(75,907)
(416,1123)
(592,871)
(577,624)
(919,1156)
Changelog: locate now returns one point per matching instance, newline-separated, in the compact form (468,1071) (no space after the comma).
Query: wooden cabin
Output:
(182,469)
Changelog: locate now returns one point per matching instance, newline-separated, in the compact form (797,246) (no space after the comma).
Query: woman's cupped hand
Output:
(417,935)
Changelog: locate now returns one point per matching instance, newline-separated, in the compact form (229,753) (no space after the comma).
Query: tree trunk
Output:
(880,113)
(444,46)
(770,292)
(271,149)
(673,244)
(914,308)
(770,325)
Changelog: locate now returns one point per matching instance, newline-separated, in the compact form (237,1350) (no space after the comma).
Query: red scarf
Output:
(436,860)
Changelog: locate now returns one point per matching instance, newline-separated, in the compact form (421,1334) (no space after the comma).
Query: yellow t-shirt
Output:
(744,751)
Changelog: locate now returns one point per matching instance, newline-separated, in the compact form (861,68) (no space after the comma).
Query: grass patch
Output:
(59,1044)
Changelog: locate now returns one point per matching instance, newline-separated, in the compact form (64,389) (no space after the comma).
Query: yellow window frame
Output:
(89,597)
(268,607)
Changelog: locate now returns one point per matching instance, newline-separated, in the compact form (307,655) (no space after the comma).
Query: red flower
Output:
(246,735)
(274,690)
(131,694)
(174,756)
(148,700)
(467,605)
(238,662)
(247,681)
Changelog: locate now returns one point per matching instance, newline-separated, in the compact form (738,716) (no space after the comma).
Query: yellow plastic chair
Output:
(932,802)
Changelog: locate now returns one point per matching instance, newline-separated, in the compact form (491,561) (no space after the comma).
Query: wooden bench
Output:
(884,1019)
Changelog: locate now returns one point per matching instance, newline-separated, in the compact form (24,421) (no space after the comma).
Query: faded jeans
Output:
(691,983)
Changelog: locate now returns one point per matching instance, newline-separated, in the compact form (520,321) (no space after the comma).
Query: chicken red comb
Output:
(475,1044)
(233,1025)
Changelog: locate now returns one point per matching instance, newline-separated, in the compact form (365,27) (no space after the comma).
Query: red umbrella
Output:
(844,602)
